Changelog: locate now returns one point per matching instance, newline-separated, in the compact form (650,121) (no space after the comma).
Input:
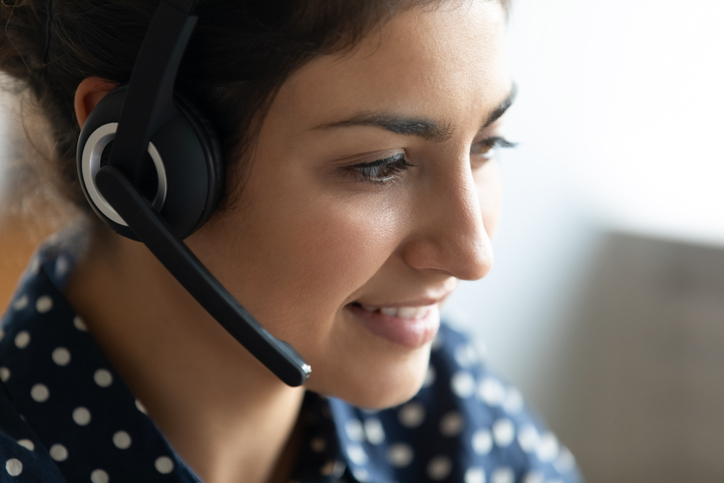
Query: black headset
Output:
(151,168)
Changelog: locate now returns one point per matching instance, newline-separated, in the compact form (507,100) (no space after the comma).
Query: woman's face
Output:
(371,192)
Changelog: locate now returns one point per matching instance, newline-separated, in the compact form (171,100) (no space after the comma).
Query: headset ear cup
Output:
(91,140)
(187,154)
(205,131)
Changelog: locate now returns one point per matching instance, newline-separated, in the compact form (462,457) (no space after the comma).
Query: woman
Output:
(358,141)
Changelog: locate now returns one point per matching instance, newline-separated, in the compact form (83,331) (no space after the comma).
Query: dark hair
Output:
(240,53)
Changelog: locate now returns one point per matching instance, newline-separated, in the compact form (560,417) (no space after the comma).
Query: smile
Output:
(402,312)
(406,326)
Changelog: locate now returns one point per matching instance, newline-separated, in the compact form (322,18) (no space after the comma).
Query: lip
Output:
(412,303)
(411,333)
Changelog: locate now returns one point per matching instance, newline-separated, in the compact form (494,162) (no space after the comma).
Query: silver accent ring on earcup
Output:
(92,164)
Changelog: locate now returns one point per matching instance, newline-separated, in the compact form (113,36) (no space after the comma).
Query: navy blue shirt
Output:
(66,415)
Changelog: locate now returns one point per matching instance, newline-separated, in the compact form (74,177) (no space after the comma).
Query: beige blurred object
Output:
(643,368)
(29,209)
(17,243)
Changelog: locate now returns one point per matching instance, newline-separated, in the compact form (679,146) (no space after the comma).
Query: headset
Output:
(151,167)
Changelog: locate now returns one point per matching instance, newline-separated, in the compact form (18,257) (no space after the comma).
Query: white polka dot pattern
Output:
(122,440)
(361,474)
(81,416)
(534,477)
(482,442)
(374,431)
(357,454)
(502,475)
(439,467)
(491,391)
(528,438)
(140,406)
(43,304)
(4,374)
(400,455)
(503,432)
(103,378)
(354,429)
(547,447)
(99,476)
(451,424)
(22,339)
(21,303)
(79,324)
(462,384)
(58,452)
(164,465)
(27,444)
(14,467)
(475,475)
(40,393)
(412,414)
(61,356)
(513,401)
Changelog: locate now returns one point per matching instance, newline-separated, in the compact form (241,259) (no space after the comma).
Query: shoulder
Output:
(22,455)
(466,424)
(482,422)
(487,419)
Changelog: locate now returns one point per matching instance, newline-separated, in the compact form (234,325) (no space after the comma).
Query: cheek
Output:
(333,245)
(294,254)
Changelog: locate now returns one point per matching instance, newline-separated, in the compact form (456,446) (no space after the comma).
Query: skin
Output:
(309,236)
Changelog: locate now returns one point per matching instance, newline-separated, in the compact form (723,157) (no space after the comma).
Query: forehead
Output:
(445,62)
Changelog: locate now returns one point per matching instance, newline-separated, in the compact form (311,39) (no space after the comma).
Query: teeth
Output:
(407,312)
(402,312)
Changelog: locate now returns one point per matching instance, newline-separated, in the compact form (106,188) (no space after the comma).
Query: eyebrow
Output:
(498,112)
(427,129)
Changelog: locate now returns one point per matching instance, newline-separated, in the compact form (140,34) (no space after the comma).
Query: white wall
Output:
(627,95)
(621,116)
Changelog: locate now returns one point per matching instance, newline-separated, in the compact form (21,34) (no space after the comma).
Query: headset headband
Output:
(147,106)
(149,100)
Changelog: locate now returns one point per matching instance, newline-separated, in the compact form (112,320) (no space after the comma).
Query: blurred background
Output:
(606,303)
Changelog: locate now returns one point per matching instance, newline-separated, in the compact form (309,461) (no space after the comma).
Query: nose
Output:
(448,231)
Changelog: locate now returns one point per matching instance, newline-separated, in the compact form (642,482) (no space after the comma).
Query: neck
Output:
(227,416)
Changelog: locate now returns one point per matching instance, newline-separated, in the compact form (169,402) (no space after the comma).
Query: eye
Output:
(486,148)
(383,170)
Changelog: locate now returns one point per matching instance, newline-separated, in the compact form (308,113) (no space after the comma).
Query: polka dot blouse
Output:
(66,415)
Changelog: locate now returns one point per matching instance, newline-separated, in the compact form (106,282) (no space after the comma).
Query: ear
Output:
(88,94)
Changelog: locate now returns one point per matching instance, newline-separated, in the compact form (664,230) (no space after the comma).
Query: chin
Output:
(377,386)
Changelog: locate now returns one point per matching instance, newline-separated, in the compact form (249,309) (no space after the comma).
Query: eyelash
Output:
(492,143)
(384,171)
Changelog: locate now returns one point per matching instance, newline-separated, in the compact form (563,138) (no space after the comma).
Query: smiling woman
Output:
(358,143)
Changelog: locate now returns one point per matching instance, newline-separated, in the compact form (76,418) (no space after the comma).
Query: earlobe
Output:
(88,94)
